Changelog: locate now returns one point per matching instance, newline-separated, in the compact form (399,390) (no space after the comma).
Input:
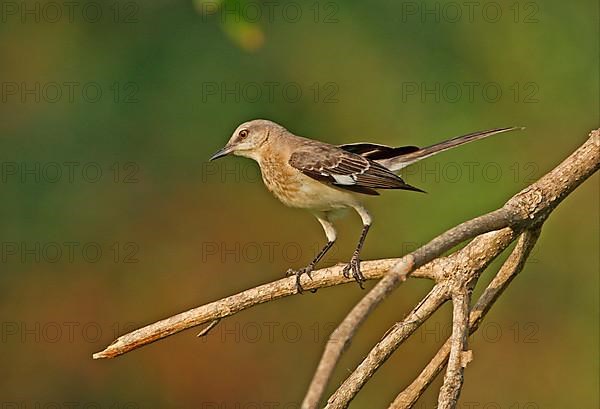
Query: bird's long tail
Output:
(407,158)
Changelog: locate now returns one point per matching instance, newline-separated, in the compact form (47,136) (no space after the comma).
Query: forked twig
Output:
(461,268)
(509,270)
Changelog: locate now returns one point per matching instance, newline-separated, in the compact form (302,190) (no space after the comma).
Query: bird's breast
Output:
(295,189)
(280,179)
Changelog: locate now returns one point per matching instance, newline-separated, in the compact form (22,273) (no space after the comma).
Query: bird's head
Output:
(248,138)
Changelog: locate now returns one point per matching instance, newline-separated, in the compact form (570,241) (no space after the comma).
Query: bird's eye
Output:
(243,133)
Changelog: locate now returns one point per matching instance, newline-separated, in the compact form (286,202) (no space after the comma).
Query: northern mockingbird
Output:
(323,178)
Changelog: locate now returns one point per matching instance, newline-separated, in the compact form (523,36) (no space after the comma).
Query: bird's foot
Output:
(298,273)
(354,266)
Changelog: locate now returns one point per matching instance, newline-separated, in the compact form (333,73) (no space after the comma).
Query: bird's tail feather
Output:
(403,160)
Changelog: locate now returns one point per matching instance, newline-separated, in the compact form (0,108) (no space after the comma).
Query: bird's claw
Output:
(346,271)
(298,273)
(354,266)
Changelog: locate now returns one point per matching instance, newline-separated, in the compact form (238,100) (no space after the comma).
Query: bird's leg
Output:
(311,266)
(331,236)
(354,264)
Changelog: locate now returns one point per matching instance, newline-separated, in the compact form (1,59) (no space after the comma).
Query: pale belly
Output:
(295,189)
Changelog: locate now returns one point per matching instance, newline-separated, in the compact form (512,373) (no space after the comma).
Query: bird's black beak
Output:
(223,152)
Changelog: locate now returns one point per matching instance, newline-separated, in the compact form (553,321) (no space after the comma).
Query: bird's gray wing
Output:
(346,170)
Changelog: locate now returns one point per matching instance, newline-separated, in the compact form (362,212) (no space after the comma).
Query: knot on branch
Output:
(527,204)
(465,358)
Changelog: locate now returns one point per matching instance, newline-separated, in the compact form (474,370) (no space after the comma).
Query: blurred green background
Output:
(112,218)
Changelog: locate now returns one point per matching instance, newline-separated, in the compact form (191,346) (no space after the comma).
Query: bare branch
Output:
(393,338)
(466,264)
(509,270)
(233,304)
(208,328)
(459,356)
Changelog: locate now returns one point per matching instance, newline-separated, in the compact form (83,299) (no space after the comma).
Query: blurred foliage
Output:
(176,78)
(243,28)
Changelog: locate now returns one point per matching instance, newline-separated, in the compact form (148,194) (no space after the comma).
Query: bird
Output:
(324,178)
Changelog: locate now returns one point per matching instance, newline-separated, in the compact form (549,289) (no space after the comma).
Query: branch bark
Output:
(233,304)
(465,266)
(459,356)
(509,270)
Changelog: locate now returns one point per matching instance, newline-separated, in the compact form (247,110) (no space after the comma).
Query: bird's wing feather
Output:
(375,151)
(395,159)
(346,170)
(403,159)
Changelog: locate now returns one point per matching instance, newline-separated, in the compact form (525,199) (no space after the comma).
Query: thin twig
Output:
(459,356)
(209,327)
